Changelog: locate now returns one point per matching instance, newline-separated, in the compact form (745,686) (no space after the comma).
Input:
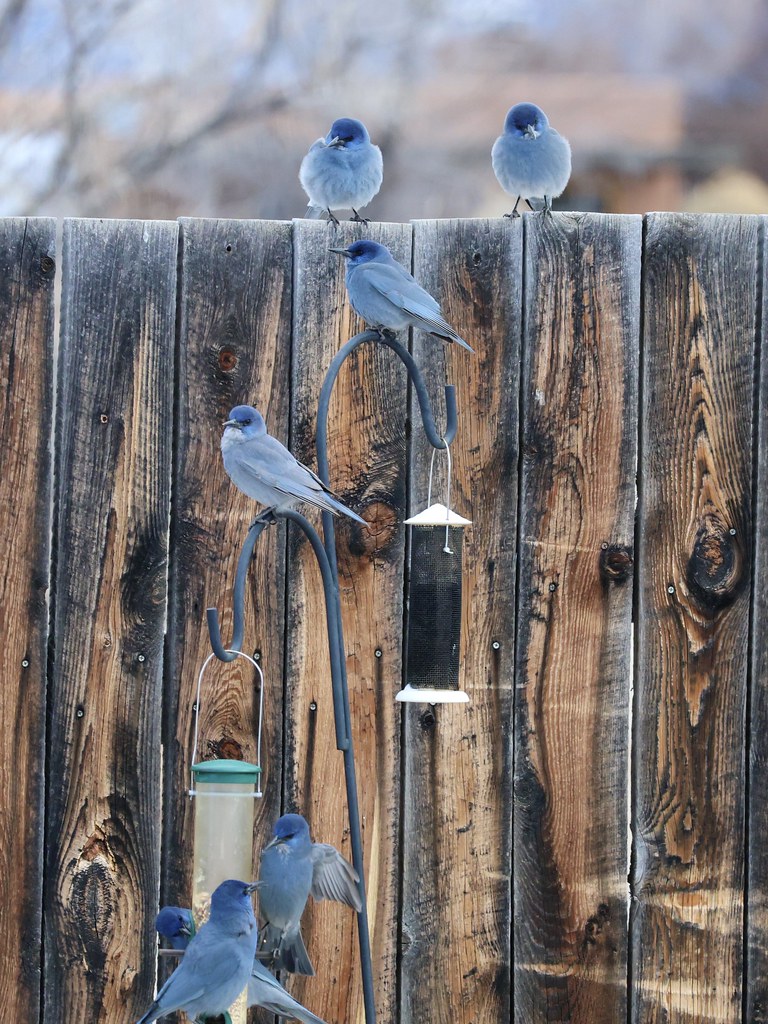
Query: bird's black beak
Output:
(253,886)
(274,842)
(184,929)
(336,142)
(341,252)
(233,423)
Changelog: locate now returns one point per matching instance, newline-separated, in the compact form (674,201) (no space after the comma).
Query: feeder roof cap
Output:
(225,771)
(437,515)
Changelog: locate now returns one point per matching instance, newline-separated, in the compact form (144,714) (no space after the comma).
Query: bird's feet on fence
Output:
(358,219)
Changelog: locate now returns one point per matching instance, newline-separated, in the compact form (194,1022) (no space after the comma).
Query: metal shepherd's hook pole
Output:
(325,553)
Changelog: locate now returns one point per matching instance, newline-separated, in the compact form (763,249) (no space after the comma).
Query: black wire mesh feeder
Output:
(433,620)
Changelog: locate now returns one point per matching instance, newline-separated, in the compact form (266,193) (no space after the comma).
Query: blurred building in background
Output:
(129,108)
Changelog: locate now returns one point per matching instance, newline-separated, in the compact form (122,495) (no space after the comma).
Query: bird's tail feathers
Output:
(315,213)
(150,1015)
(292,955)
(338,509)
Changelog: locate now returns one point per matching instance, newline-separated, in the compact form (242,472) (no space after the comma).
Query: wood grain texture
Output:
(573,662)
(113,457)
(367,449)
(234,348)
(693,617)
(756,1002)
(457,810)
(27,268)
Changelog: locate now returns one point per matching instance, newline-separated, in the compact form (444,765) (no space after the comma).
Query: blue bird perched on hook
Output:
(343,171)
(530,159)
(263,468)
(387,297)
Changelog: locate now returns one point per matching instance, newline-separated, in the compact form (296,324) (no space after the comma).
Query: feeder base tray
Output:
(427,695)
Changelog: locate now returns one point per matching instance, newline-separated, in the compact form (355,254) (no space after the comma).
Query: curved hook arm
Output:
(331,609)
(427,416)
(229,654)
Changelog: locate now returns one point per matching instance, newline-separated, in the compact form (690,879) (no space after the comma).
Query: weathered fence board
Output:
(113,457)
(234,348)
(700,288)
(573,664)
(27,249)
(553,308)
(457,758)
(367,458)
(756,1002)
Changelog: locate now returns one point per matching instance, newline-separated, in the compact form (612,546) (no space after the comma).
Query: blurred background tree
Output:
(133,108)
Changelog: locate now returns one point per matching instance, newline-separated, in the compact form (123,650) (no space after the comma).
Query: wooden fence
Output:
(583,842)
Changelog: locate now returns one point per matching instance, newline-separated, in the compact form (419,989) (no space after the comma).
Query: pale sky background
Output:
(161,109)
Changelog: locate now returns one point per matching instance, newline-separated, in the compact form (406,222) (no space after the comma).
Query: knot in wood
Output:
(616,563)
(382,528)
(227,359)
(714,570)
(427,720)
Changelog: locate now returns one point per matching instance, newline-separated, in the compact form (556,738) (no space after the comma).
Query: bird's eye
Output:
(246,422)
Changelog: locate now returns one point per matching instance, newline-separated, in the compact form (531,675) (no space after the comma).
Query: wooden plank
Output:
(457,810)
(693,617)
(756,1001)
(573,662)
(366,443)
(113,455)
(27,268)
(234,347)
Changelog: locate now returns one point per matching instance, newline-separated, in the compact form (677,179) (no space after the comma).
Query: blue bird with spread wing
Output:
(292,869)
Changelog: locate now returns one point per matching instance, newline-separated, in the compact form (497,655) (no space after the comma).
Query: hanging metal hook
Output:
(238,596)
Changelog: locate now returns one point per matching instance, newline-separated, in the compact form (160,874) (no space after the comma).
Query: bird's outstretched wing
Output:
(333,878)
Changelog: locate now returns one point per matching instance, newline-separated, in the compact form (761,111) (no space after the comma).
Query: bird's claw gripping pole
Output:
(325,553)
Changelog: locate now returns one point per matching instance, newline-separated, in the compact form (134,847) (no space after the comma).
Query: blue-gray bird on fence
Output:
(218,961)
(530,159)
(263,468)
(293,868)
(176,925)
(343,171)
(387,297)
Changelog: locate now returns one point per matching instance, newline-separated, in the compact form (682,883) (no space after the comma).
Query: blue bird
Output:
(530,159)
(343,171)
(176,925)
(387,297)
(263,468)
(292,869)
(218,961)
